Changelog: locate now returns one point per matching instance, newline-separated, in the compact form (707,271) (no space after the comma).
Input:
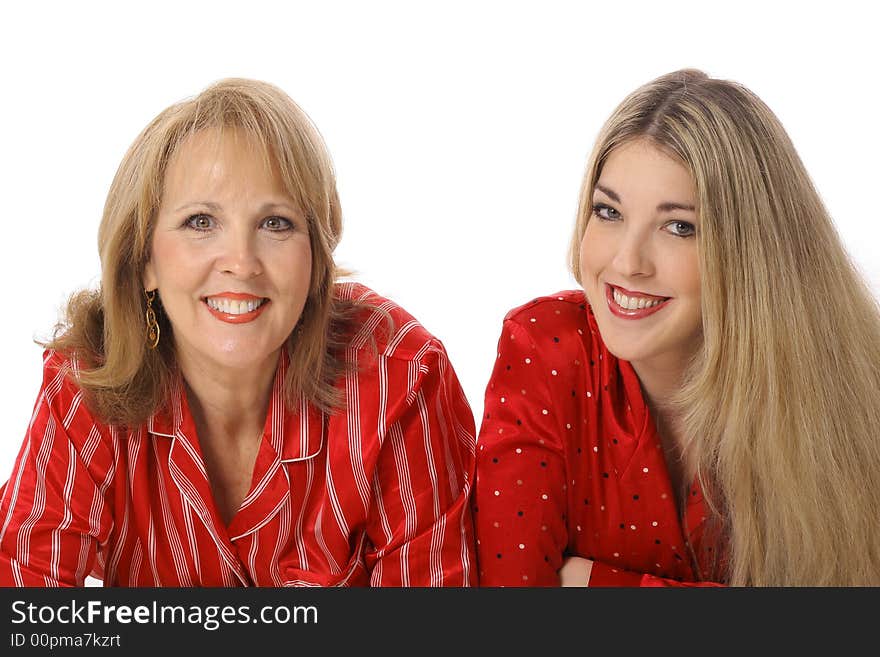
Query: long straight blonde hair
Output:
(105,329)
(781,407)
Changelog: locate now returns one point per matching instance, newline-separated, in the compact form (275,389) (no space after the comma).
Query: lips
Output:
(235,307)
(627,304)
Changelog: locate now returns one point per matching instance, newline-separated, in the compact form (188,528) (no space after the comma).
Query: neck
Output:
(228,403)
(661,382)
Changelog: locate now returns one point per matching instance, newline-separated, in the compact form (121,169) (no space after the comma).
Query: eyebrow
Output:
(666,206)
(214,207)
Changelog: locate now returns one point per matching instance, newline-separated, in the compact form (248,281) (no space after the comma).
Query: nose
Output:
(633,255)
(239,255)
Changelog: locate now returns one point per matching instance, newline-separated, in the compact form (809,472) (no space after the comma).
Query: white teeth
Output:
(633,303)
(233,307)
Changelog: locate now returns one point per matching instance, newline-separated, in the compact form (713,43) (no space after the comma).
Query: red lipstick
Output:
(237,318)
(627,313)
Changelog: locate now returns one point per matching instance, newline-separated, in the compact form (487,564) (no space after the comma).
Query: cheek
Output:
(592,249)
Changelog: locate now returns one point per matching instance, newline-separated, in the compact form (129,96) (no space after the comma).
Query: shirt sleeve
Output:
(52,511)
(420,527)
(520,493)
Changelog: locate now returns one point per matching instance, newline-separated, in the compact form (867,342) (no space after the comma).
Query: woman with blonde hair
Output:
(707,408)
(224,411)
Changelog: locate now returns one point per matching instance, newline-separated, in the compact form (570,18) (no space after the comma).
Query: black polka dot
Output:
(543,464)
(586,501)
(677,556)
(605,475)
(555,339)
(622,526)
(614,440)
(498,555)
(546,558)
(487,416)
(657,541)
(583,307)
(579,450)
(508,367)
(495,460)
(519,513)
(519,422)
(635,497)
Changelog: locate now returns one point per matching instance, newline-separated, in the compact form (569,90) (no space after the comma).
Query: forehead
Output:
(218,160)
(639,169)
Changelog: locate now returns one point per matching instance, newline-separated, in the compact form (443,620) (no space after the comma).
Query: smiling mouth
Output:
(235,308)
(632,305)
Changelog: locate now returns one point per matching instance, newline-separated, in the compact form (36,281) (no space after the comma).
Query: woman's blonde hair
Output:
(781,408)
(105,329)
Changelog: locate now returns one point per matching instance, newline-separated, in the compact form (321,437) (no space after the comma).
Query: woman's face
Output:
(230,254)
(639,263)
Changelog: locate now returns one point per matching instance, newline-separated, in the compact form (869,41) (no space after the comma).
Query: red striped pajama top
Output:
(376,494)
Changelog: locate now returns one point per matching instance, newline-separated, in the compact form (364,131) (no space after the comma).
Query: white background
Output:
(459,132)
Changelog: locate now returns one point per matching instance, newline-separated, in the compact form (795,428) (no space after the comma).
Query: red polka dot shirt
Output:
(569,462)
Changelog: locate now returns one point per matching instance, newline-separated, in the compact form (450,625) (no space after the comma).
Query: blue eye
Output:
(681,228)
(605,212)
(200,222)
(277,224)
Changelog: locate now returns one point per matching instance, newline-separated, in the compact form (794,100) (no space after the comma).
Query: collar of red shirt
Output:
(287,437)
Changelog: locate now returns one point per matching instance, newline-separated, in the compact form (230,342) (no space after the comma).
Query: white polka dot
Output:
(545,411)
(633,527)
(543,528)
(525,578)
(595,448)
(544,496)
(522,546)
(614,570)
(617,554)
(518,450)
(560,298)
(553,372)
(528,360)
(478,542)
(503,399)
(523,391)
(577,362)
(644,469)
(497,524)
(519,482)
(568,426)
(557,312)
(658,565)
(579,527)
(497,493)
(654,524)
(602,508)
(501,430)
(533,320)
(580,332)
(589,394)
(663,496)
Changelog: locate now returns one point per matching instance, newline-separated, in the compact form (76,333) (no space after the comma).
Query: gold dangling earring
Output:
(152,324)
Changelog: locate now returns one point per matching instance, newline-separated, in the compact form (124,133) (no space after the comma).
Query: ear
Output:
(149,279)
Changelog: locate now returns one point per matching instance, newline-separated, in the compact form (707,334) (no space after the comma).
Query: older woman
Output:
(223,411)
(706,408)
